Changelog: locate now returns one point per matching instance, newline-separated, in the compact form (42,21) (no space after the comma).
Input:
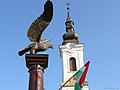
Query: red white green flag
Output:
(81,75)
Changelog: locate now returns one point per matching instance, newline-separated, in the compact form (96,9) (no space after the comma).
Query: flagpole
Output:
(72,76)
(66,82)
(69,79)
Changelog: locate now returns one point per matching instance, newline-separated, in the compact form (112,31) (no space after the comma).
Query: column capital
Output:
(37,59)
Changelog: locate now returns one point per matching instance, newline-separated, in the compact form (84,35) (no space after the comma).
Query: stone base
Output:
(37,59)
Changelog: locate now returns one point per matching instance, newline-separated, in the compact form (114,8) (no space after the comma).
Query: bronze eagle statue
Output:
(36,29)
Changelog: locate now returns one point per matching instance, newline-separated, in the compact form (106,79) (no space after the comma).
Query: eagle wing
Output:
(45,40)
(40,24)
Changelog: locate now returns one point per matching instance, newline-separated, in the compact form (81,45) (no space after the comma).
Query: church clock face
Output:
(70,46)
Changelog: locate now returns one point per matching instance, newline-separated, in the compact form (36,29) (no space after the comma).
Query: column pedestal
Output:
(36,63)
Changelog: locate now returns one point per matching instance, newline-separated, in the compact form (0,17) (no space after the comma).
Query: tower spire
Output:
(68,9)
(70,36)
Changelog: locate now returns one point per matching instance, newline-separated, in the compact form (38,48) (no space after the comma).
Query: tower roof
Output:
(70,36)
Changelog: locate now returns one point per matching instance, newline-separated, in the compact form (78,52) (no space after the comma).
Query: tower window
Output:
(72,63)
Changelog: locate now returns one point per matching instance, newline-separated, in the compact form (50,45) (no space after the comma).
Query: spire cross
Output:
(68,5)
(68,9)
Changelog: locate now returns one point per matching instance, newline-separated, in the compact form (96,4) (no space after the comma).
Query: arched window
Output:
(72,63)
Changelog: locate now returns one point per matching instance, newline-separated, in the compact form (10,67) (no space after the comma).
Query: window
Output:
(72,63)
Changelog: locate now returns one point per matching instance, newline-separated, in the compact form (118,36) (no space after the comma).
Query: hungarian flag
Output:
(80,76)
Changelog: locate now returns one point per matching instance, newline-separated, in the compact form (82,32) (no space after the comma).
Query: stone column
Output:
(36,64)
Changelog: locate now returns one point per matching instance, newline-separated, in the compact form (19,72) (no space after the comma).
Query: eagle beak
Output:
(51,46)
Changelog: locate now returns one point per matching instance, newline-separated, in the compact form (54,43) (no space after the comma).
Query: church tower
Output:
(71,52)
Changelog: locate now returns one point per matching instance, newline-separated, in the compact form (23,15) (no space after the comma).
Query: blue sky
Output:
(97,23)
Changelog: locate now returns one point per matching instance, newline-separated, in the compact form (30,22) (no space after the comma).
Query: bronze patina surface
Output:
(36,29)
